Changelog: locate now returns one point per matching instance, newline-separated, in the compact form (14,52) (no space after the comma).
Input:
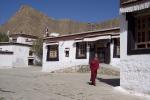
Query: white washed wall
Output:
(19,57)
(6,60)
(115,62)
(23,40)
(6,48)
(63,61)
(135,69)
(71,60)
(21,54)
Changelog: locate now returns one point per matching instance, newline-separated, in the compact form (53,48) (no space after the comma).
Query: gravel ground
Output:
(32,84)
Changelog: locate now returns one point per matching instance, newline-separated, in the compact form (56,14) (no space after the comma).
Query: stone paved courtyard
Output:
(32,84)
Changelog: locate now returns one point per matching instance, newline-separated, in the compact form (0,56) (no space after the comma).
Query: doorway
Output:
(30,61)
(101,54)
(102,50)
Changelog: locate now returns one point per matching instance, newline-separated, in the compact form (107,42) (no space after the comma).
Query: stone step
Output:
(105,69)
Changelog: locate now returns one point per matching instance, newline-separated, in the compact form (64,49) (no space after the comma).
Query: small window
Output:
(29,40)
(81,50)
(14,40)
(52,53)
(30,53)
(67,52)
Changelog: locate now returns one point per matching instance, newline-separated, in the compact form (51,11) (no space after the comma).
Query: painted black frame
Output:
(48,51)
(131,37)
(77,50)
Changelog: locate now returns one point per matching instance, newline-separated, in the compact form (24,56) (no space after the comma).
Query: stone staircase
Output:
(105,69)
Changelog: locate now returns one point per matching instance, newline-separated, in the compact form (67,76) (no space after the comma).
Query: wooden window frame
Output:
(48,53)
(142,32)
(132,36)
(77,50)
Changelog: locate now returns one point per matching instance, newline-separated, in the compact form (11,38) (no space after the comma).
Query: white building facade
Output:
(4,56)
(25,39)
(135,45)
(77,49)
(22,38)
(14,55)
(17,52)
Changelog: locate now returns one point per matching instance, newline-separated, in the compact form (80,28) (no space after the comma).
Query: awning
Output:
(78,40)
(56,43)
(90,39)
(117,36)
(135,7)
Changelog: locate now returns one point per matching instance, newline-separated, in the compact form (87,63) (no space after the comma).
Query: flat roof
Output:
(87,32)
(23,35)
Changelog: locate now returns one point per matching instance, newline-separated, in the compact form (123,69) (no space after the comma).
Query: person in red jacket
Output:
(94,65)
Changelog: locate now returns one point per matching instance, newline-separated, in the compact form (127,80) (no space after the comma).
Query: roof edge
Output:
(24,35)
(73,34)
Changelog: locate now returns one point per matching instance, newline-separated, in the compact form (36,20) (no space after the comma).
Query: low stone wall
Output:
(85,69)
(109,71)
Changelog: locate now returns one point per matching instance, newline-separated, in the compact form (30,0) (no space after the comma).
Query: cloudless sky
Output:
(78,10)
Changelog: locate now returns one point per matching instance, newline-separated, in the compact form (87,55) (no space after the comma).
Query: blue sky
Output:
(78,10)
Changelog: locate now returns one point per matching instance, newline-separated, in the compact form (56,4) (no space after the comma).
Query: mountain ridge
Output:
(28,20)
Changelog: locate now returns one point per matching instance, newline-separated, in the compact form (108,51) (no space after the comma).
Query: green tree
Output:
(4,37)
(38,48)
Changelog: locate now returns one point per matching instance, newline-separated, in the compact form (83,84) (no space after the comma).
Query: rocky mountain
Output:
(27,20)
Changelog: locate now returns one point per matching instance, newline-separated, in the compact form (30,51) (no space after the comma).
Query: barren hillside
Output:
(27,20)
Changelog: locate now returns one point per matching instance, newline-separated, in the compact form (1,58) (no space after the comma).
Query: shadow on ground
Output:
(113,82)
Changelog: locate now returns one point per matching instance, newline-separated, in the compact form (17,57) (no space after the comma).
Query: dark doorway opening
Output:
(101,54)
(103,51)
(30,62)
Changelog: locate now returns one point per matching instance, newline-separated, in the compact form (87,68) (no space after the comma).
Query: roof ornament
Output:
(46,32)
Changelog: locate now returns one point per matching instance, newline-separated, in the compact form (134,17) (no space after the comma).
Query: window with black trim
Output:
(81,50)
(138,32)
(142,31)
(30,53)
(14,39)
(52,53)
(116,52)
(67,52)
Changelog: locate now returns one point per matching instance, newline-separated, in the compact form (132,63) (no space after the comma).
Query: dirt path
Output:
(32,84)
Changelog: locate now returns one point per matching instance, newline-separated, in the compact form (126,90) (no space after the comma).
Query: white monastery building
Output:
(135,45)
(17,52)
(71,50)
